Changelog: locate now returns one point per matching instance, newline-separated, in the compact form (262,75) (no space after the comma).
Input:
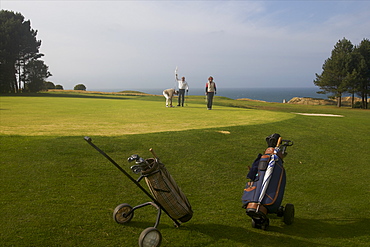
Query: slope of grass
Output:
(58,191)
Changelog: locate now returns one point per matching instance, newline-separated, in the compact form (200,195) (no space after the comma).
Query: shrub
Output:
(357,104)
(80,87)
(49,85)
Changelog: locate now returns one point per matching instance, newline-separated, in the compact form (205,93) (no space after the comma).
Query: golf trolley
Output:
(264,192)
(166,196)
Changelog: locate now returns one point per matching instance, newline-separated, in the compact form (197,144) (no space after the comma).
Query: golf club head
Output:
(136,169)
(141,163)
(133,157)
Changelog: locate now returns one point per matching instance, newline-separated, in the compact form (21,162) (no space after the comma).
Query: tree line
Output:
(21,69)
(347,70)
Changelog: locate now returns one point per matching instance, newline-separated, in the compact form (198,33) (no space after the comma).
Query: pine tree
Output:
(338,71)
(18,48)
(362,55)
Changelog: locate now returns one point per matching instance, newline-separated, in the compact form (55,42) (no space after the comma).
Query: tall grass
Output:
(58,191)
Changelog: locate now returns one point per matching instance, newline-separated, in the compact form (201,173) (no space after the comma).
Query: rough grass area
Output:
(56,190)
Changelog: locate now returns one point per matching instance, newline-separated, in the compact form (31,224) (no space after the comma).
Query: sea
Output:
(265,94)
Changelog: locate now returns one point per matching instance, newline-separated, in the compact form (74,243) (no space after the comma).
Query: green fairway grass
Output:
(56,190)
(122,115)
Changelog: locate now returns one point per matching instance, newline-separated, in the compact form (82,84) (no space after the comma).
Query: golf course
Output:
(56,190)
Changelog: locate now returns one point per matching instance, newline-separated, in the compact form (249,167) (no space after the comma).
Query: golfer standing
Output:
(210,92)
(168,94)
(183,85)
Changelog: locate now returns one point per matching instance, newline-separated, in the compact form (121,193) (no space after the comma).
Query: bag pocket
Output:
(249,193)
(264,161)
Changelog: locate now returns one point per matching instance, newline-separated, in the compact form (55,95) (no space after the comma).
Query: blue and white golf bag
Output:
(263,194)
(267,183)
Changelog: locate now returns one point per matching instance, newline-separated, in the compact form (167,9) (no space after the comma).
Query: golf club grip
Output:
(88,139)
(152,151)
(279,141)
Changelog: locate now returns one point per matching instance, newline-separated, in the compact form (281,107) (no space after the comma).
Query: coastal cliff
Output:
(346,101)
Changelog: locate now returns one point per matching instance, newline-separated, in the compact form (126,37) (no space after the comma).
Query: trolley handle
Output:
(286,143)
(88,139)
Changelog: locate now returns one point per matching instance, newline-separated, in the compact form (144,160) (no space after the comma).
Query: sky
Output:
(132,45)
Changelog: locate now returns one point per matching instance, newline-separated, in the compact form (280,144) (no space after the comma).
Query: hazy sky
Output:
(138,44)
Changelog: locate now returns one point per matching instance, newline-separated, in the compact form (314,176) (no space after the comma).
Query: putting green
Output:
(59,116)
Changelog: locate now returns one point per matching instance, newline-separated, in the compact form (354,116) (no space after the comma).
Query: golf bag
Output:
(263,194)
(166,192)
(166,195)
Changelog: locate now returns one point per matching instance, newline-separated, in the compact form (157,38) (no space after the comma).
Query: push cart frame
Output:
(128,215)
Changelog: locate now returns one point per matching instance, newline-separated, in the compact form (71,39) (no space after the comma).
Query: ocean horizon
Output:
(265,94)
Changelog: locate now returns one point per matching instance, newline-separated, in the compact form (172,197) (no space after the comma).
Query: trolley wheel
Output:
(288,217)
(255,224)
(280,212)
(265,225)
(119,214)
(261,224)
(150,237)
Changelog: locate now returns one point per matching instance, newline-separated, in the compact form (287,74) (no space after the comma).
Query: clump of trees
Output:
(20,66)
(347,71)
(50,85)
(80,87)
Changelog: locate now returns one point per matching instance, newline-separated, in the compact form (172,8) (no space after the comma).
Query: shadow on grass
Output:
(304,232)
(244,235)
(336,228)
